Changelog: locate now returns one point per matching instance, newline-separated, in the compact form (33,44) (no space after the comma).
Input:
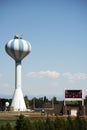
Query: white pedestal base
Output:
(18,102)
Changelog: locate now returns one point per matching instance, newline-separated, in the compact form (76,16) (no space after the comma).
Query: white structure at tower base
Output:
(18,102)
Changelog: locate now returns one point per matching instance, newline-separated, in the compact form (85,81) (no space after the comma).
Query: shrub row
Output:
(23,123)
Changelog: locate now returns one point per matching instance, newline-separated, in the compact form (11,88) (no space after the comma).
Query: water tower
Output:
(18,48)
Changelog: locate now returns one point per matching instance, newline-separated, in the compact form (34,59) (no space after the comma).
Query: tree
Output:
(45,99)
(2,127)
(69,124)
(26,102)
(49,125)
(78,123)
(8,126)
(38,103)
(85,100)
(40,125)
(23,123)
(60,124)
(28,125)
(20,123)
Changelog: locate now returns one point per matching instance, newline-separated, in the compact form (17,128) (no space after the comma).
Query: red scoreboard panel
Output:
(73,94)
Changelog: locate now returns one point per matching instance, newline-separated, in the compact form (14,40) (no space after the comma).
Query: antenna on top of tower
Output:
(18,36)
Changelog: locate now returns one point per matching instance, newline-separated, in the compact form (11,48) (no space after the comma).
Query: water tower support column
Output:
(18,99)
(17,74)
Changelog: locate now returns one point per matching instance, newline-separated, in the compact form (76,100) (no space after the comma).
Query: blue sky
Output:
(57,31)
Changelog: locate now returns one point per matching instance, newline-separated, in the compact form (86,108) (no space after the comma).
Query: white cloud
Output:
(76,76)
(48,73)
(54,74)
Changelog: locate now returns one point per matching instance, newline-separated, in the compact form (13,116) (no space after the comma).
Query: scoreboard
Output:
(74,94)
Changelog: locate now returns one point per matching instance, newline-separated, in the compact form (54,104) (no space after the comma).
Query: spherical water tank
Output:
(18,48)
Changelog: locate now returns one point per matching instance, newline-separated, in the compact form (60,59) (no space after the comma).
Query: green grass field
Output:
(11,117)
